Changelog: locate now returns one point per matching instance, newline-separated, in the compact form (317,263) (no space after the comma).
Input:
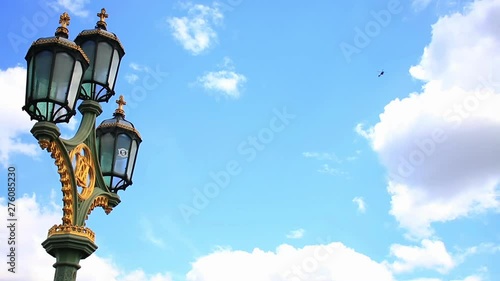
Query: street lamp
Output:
(55,68)
(95,163)
(117,144)
(105,53)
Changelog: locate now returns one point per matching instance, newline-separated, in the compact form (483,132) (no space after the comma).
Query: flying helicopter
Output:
(380,73)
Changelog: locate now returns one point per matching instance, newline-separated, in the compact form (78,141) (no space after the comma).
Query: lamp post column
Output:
(68,250)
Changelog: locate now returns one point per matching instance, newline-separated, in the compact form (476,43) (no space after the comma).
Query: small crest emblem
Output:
(122,152)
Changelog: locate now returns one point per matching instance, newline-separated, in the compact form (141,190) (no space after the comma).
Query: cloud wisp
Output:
(195,31)
(296,234)
(224,82)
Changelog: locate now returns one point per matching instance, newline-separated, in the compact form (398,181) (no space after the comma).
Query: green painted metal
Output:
(90,110)
(69,249)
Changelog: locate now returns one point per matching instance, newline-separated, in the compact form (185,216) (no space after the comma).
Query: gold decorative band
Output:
(63,169)
(72,229)
(99,201)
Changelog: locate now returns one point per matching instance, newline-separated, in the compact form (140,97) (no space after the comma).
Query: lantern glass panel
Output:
(122,154)
(89,49)
(117,182)
(107,144)
(114,69)
(107,181)
(43,65)
(29,88)
(131,162)
(102,62)
(59,111)
(44,107)
(86,89)
(75,83)
(61,77)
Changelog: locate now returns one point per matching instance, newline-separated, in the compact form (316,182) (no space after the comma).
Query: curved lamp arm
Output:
(90,110)
(78,167)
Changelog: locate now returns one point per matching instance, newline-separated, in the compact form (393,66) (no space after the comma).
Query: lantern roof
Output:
(118,122)
(100,30)
(60,39)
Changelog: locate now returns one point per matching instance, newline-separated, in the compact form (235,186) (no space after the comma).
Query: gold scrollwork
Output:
(64,174)
(99,201)
(84,169)
(72,229)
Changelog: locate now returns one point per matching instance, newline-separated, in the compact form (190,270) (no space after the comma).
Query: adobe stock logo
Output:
(150,81)
(310,264)
(249,150)
(30,27)
(363,37)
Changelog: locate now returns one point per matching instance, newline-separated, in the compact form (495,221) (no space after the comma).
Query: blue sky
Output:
(271,148)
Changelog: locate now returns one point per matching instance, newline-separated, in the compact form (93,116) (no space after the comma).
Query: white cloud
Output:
(139,275)
(430,255)
(225,82)
(360,202)
(71,125)
(446,7)
(327,156)
(138,67)
(415,210)
(354,157)
(441,7)
(470,278)
(67,129)
(195,31)
(483,248)
(440,146)
(463,61)
(433,255)
(326,169)
(131,78)
(296,234)
(35,264)
(426,279)
(14,122)
(322,156)
(73,7)
(149,234)
(366,133)
(419,5)
(146,74)
(332,261)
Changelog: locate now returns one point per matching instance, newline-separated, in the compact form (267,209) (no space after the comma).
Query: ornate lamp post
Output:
(95,163)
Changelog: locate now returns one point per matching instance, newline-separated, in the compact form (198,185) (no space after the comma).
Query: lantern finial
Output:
(62,30)
(102,17)
(121,102)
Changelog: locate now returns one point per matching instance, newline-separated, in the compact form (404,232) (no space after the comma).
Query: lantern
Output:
(105,53)
(55,69)
(117,145)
